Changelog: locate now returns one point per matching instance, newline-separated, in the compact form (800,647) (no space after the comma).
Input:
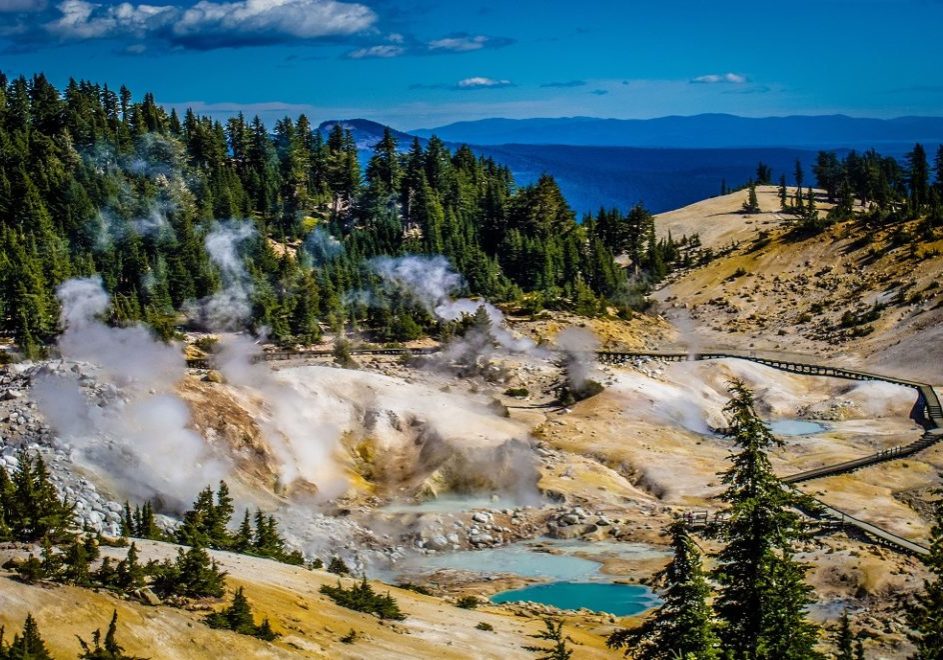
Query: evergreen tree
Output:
(799,176)
(764,174)
(238,618)
(337,566)
(26,646)
(32,509)
(783,193)
(553,633)
(752,205)
(846,640)
(762,598)
(110,649)
(192,575)
(129,574)
(206,524)
(242,542)
(77,562)
(682,627)
(918,177)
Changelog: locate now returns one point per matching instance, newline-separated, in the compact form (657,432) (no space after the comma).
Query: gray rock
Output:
(148,597)
(438,542)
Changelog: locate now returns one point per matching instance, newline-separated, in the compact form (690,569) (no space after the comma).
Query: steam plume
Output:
(230,307)
(431,281)
(136,435)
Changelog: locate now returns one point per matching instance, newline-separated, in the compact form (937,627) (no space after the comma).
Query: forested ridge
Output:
(93,181)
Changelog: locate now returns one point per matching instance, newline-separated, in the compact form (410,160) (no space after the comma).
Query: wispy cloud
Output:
(382,51)
(481,82)
(720,78)
(452,44)
(463,43)
(567,83)
(474,82)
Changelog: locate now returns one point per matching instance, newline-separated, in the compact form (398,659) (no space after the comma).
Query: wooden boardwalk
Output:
(926,411)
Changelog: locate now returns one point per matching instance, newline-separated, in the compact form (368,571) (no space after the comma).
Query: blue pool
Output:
(793,427)
(618,599)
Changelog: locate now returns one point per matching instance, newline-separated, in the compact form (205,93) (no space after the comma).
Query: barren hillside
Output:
(860,295)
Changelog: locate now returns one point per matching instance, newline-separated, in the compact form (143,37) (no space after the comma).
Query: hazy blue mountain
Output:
(699,131)
(367,133)
(591,176)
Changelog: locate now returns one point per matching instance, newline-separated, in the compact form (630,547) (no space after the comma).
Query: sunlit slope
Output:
(861,295)
(310,624)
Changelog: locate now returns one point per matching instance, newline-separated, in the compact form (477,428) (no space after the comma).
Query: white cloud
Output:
(87,20)
(461,44)
(304,19)
(714,78)
(386,50)
(480,82)
(212,24)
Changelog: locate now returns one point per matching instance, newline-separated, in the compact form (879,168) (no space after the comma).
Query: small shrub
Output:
(519,392)
(418,588)
(350,637)
(362,598)
(343,356)
(740,272)
(483,625)
(337,566)
(467,602)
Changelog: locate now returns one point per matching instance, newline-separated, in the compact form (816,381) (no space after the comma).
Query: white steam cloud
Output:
(579,347)
(431,281)
(230,307)
(297,428)
(320,247)
(126,425)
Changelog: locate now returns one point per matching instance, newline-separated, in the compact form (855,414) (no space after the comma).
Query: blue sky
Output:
(419,63)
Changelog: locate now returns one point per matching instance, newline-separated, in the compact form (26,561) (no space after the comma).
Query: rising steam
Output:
(134,431)
(432,282)
(230,307)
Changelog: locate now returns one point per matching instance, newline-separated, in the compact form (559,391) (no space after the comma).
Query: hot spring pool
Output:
(793,427)
(572,582)
(618,599)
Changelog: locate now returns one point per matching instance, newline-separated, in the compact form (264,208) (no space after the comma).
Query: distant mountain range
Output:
(664,163)
(367,133)
(699,131)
